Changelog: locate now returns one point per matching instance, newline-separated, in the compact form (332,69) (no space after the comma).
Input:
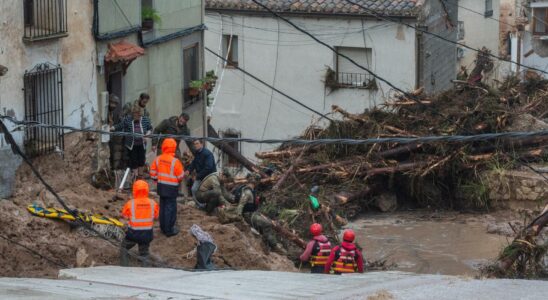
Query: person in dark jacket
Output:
(136,123)
(173,125)
(203,164)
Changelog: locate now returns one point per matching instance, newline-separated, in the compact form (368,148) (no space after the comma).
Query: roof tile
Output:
(385,7)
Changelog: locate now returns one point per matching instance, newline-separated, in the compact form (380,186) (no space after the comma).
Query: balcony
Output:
(355,80)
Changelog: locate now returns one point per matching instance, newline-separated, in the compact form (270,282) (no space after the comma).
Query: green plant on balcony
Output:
(149,16)
(206,84)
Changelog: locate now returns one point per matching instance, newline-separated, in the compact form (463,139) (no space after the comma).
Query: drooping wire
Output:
(17,150)
(484,137)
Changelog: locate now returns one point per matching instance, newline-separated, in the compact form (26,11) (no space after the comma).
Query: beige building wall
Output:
(479,31)
(75,54)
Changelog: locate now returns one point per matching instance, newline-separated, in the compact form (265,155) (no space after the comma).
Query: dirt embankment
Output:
(238,247)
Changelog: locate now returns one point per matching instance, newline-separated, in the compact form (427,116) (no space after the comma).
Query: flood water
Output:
(430,247)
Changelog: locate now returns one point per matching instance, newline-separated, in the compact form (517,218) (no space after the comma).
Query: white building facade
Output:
(287,59)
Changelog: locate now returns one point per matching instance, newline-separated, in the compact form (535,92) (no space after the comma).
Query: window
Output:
(231,55)
(44,19)
(348,74)
(147,11)
(488,8)
(191,72)
(540,20)
(43,90)
(460,30)
(230,161)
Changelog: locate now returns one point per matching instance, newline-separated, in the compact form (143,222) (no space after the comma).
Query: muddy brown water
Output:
(429,247)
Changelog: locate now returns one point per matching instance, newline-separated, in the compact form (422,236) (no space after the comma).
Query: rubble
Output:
(238,246)
(358,178)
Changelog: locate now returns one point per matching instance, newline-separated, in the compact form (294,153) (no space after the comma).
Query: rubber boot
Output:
(145,260)
(124,257)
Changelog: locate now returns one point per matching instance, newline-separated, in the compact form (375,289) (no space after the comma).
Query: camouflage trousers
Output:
(263,225)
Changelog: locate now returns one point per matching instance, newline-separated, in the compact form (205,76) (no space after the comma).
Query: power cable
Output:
(374,14)
(268,85)
(123,13)
(50,260)
(484,137)
(17,150)
(477,12)
(332,49)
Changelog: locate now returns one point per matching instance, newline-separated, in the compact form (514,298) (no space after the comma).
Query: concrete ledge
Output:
(147,283)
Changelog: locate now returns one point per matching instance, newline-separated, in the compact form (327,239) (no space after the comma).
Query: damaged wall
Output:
(74,53)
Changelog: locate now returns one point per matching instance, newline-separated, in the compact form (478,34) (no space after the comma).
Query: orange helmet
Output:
(349,236)
(316,229)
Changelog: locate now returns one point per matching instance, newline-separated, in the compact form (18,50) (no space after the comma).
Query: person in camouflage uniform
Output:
(247,210)
(174,125)
(211,194)
(118,156)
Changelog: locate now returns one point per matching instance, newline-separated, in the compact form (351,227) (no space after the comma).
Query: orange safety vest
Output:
(346,263)
(163,170)
(142,214)
(320,254)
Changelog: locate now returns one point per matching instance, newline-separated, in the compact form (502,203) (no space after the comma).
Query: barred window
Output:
(44,19)
(43,90)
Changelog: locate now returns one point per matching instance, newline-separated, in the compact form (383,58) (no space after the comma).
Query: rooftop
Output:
(338,7)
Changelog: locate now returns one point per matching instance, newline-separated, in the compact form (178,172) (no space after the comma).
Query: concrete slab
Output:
(145,283)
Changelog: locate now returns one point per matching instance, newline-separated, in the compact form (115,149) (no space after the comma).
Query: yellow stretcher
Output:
(55,213)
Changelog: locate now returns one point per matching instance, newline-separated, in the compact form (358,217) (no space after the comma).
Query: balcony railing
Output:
(355,80)
(45,19)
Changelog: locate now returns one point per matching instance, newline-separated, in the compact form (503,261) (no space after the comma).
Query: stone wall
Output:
(515,186)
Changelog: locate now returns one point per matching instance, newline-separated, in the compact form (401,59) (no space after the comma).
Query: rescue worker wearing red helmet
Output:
(317,250)
(345,258)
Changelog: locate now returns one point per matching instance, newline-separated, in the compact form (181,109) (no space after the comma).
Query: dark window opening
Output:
(540,21)
(230,50)
(43,91)
(229,160)
(44,19)
(191,71)
(488,8)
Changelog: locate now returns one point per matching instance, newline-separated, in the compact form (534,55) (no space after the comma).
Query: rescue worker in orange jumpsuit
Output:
(140,213)
(168,172)
(317,250)
(345,258)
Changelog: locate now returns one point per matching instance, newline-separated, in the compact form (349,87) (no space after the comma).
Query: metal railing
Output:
(43,91)
(355,80)
(44,19)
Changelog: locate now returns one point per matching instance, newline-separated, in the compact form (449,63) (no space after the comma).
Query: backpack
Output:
(249,207)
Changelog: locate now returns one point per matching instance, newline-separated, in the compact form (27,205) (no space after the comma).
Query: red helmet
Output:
(316,229)
(349,236)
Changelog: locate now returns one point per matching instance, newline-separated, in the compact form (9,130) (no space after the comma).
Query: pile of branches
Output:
(527,255)
(352,178)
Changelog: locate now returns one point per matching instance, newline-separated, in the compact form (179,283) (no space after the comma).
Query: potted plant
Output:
(195,87)
(149,16)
